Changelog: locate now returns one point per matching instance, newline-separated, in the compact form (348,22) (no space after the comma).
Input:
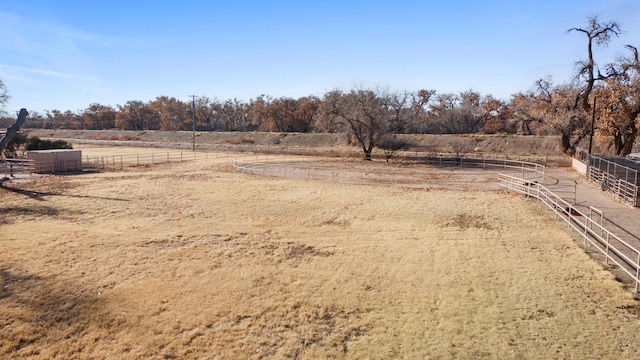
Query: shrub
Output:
(11,151)
(35,143)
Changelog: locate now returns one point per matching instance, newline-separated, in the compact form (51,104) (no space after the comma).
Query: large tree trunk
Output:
(367,149)
(623,140)
(13,130)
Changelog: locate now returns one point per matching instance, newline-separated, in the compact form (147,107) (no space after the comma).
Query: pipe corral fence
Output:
(616,176)
(30,167)
(528,183)
(589,226)
(525,178)
(116,162)
(318,168)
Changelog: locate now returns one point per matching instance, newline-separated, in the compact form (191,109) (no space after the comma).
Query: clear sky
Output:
(65,55)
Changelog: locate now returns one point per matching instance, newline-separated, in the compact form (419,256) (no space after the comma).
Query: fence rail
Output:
(26,167)
(617,179)
(115,162)
(615,250)
(14,167)
(315,168)
(481,162)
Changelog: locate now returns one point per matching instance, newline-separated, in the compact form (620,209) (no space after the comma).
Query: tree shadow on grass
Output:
(8,214)
(38,313)
(39,195)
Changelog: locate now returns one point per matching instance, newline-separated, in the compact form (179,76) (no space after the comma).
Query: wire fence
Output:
(590,227)
(116,162)
(28,167)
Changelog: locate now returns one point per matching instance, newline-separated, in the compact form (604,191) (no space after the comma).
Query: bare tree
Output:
(460,148)
(136,115)
(362,112)
(598,34)
(418,117)
(4,97)
(171,114)
(390,144)
(399,105)
(619,104)
(495,115)
(99,117)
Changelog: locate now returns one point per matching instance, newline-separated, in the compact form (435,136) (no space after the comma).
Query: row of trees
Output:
(608,94)
(423,111)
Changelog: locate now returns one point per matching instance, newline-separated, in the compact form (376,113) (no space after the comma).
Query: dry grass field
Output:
(198,261)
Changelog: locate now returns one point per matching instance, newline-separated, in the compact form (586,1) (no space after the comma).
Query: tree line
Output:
(602,100)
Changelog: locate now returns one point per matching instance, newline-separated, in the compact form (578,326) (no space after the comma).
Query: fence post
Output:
(638,273)
(607,250)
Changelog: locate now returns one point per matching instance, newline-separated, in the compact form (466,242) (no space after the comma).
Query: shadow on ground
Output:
(37,312)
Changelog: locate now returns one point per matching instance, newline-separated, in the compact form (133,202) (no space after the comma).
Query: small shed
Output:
(55,161)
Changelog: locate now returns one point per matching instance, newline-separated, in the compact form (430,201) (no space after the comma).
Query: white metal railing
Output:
(101,162)
(626,191)
(618,179)
(13,167)
(615,249)
(443,160)
(312,167)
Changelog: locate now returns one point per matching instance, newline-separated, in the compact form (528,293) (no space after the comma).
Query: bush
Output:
(11,151)
(35,143)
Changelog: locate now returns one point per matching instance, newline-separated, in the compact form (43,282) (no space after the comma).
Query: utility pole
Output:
(193,124)
(593,120)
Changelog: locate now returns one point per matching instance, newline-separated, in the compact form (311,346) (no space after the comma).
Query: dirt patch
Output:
(466,221)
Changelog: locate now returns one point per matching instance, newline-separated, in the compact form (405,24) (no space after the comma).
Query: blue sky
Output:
(66,55)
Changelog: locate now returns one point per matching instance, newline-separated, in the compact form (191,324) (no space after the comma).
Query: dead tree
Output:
(597,34)
(13,129)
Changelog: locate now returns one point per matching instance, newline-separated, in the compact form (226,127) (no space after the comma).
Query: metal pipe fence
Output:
(27,167)
(292,166)
(613,176)
(16,167)
(446,176)
(616,250)
(115,162)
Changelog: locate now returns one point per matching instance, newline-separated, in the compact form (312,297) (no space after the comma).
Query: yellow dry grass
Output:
(195,260)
